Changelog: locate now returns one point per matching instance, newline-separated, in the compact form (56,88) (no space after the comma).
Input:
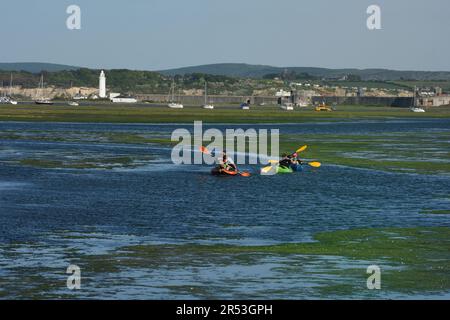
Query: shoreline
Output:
(130,114)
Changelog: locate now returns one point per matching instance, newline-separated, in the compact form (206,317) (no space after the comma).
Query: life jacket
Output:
(285,162)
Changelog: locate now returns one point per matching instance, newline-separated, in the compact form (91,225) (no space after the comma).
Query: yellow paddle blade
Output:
(301,149)
(315,164)
(273,161)
(266,169)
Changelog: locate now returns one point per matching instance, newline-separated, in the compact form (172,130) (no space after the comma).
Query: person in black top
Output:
(285,162)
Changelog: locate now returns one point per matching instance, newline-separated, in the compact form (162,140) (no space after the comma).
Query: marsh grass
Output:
(412,259)
(85,163)
(153,114)
(419,152)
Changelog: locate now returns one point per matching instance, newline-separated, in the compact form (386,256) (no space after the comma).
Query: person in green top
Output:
(227,163)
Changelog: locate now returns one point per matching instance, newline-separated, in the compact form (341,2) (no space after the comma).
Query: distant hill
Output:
(239,70)
(258,71)
(242,70)
(36,67)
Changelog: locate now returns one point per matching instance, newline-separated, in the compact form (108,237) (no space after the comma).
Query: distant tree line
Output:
(120,80)
(289,75)
(130,81)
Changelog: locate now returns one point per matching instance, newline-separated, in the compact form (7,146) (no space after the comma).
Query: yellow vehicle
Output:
(323,107)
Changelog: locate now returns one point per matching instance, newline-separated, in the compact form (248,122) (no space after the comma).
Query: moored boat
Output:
(245,106)
(42,99)
(287,106)
(173,104)
(207,105)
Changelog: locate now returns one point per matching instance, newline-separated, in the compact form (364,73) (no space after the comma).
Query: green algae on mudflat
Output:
(112,113)
(86,163)
(87,136)
(413,261)
(421,255)
(429,211)
(355,243)
(390,151)
(132,138)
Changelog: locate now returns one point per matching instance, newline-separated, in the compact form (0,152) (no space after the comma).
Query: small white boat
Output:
(42,100)
(207,105)
(9,99)
(245,106)
(287,107)
(73,103)
(174,105)
(414,107)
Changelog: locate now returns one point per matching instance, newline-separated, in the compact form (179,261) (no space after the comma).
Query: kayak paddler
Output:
(296,163)
(295,159)
(226,163)
(285,162)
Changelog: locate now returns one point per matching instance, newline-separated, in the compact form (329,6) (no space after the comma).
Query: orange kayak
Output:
(223,172)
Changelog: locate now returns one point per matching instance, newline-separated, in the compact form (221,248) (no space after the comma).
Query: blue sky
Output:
(159,34)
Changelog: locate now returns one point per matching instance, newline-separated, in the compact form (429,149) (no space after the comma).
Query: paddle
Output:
(301,149)
(314,164)
(266,169)
(206,151)
(274,162)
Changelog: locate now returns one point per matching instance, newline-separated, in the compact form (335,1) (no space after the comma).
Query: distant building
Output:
(102,85)
(283,96)
(360,92)
(436,101)
(113,95)
(281,93)
(340,92)
(123,99)
(429,92)
(431,97)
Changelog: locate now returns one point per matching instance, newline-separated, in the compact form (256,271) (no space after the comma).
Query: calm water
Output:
(51,216)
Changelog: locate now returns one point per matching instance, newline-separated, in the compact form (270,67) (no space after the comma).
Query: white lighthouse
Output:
(102,85)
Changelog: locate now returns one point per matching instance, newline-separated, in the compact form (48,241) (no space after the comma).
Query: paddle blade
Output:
(266,169)
(204,150)
(273,161)
(269,171)
(245,174)
(315,164)
(301,149)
